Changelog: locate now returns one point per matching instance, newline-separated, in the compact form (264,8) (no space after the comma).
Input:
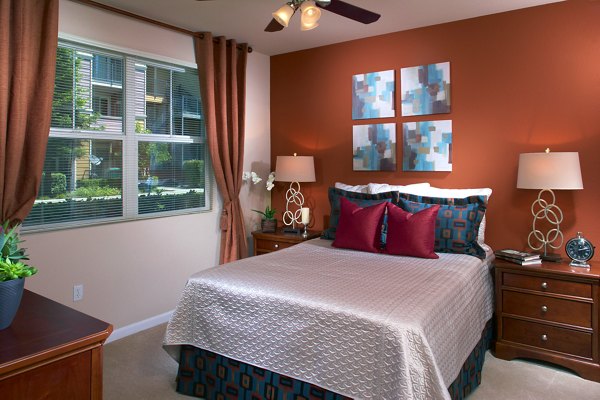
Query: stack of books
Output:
(518,257)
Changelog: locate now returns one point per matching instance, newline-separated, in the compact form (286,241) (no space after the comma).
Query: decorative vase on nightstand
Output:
(10,298)
(12,272)
(268,223)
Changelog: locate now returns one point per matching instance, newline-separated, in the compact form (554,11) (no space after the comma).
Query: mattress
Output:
(364,325)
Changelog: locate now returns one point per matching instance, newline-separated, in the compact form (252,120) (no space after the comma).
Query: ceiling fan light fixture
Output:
(308,26)
(283,14)
(310,13)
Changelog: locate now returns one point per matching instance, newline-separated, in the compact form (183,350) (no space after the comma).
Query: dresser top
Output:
(43,326)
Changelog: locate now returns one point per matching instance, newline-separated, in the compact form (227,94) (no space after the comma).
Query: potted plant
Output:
(12,273)
(268,222)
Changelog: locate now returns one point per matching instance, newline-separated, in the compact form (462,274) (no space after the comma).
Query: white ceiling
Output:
(245,20)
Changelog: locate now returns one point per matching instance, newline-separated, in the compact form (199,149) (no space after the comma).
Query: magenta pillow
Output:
(359,228)
(411,234)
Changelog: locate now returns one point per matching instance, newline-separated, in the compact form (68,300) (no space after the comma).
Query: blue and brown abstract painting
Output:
(425,89)
(427,146)
(374,147)
(373,95)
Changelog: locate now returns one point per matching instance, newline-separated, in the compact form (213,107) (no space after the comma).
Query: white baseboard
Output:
(139,326)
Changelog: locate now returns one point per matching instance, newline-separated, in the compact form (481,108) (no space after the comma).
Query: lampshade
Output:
(549,171)
(307,26)
(284,14)
(295,169)
(310,15)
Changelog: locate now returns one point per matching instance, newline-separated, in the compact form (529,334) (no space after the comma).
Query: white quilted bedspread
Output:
(364,325)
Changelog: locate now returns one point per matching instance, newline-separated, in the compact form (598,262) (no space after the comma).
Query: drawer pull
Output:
(544,308)
(544,285)
(544,338)
(276,246)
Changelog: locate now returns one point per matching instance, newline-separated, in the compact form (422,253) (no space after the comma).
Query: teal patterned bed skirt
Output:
(214,377)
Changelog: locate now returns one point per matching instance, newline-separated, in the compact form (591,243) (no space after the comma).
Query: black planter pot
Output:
(268,225)
(10,298)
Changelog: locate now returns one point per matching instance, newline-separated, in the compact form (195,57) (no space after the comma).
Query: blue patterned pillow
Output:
(362,199)
(457,221)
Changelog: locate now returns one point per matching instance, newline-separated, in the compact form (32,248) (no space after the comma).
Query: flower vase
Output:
(10,298)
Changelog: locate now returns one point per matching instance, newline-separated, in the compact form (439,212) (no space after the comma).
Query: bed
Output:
(334,323)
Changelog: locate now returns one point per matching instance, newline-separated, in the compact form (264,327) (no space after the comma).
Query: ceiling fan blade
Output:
(349,11)
(274,26)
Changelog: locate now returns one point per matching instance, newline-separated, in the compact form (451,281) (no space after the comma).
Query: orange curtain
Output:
(222,73)
(28,41)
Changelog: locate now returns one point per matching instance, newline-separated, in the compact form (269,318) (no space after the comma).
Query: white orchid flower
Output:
(255,178)
(270,180)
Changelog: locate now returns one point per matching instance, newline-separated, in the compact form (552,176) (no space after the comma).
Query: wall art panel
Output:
(425,89)
(374,147)
(373,95)
(427,146)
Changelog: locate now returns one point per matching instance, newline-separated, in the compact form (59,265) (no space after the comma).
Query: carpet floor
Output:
(137,367)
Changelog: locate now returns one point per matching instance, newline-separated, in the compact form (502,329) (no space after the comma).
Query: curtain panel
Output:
(222,74)
(28,42)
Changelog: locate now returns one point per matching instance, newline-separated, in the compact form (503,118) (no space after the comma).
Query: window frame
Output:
(130,139)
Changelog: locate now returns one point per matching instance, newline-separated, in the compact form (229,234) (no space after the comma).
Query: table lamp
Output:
(547,172)
(294,169)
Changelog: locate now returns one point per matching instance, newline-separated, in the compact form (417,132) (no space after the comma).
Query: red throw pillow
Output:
(411,234)
(359,228)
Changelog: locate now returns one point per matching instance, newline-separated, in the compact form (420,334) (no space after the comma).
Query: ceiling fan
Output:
(311,13)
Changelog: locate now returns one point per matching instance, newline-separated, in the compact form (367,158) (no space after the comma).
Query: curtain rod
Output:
(146,19)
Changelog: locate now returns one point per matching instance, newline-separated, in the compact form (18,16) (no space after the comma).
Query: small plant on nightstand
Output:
(268,222)
(12,272)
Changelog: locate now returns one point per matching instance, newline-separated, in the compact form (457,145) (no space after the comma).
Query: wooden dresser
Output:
(550,313)
(51,352)
(268,242)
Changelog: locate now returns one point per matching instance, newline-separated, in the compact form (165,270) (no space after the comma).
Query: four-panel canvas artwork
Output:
(426,145)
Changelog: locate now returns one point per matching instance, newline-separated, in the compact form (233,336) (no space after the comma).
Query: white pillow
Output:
(433,191)
(462,193)
(413,188)
(481,231)
(350,188)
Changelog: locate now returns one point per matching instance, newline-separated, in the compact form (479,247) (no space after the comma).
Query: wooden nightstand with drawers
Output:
(268,242)
(549,312)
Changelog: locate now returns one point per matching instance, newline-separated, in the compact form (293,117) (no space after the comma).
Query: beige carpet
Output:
(137,367)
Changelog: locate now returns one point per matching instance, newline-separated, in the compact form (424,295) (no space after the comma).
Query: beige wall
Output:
(257,151)
(133,271)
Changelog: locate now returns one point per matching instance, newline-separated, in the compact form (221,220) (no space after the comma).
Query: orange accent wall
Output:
(521,81)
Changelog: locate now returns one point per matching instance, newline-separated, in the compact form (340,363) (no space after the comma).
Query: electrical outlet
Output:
(77,292)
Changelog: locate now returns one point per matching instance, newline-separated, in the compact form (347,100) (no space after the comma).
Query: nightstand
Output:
(549,312)
(268,242)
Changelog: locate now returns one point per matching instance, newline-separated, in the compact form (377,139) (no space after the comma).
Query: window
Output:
(107,70)
(126,141)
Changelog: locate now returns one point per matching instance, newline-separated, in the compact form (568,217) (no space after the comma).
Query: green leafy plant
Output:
(95,191)
(58,184)
(10,248)
(269,213)
(193,172)
(95,182)
(12,255)
(10,270)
